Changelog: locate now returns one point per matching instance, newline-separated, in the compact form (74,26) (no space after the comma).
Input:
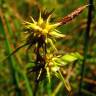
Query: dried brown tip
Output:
(72,15)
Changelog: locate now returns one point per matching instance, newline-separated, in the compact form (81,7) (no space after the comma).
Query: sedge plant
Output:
(43,35)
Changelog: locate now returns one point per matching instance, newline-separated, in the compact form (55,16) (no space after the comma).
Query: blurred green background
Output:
(12,71)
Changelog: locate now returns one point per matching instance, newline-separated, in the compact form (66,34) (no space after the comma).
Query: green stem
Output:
(12,61)
(86,43)
(28,87)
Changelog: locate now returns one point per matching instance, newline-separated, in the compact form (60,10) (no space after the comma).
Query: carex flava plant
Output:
(42,34)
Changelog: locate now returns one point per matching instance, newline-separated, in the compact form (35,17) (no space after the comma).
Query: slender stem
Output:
(36,81)
(41,69)
(86,43)
(36,88)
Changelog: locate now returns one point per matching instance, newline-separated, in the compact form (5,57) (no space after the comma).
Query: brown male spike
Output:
(72,15)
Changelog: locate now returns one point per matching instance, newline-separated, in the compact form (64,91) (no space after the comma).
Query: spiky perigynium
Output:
(42,31)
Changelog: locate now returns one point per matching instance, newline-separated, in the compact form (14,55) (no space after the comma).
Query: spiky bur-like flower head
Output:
(54,63)
(43,28)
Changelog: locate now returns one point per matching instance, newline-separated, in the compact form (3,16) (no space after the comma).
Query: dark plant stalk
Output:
(36,81)
(41,71)
(86,43)
(38,57)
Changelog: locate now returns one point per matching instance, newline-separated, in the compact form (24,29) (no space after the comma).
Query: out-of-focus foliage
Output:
(13,70)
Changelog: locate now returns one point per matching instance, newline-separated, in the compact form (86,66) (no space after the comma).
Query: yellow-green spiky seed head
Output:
(43,27)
